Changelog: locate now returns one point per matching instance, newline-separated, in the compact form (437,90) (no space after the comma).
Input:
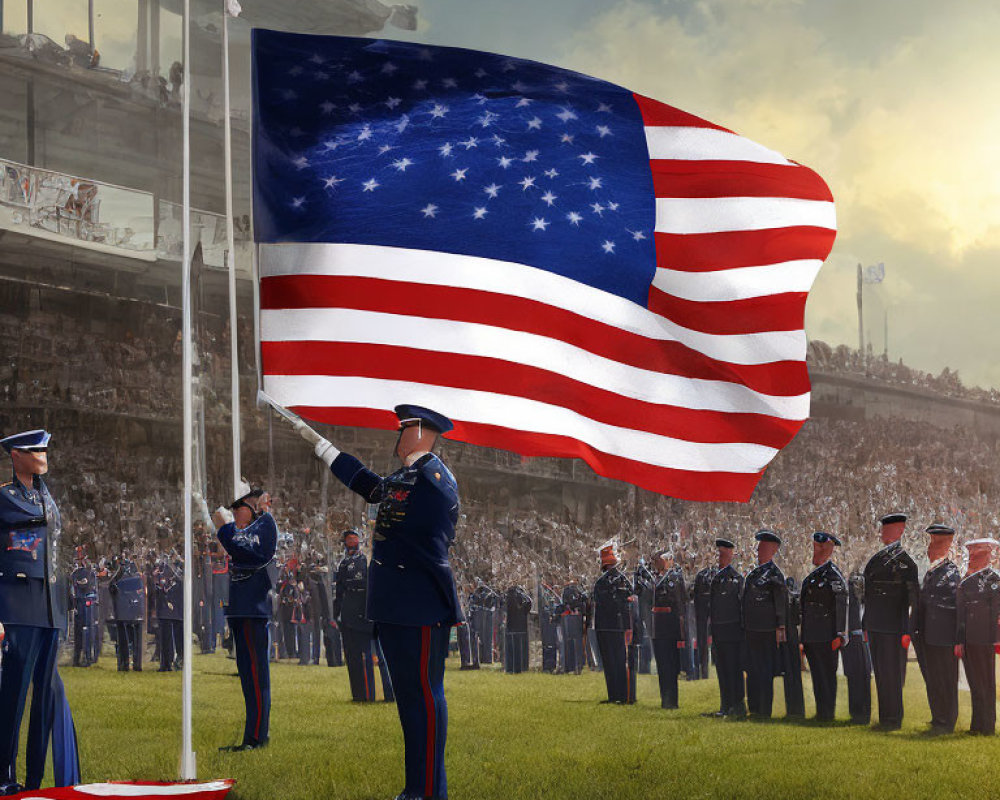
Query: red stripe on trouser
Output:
(364,674)
(256,678)
(425,658)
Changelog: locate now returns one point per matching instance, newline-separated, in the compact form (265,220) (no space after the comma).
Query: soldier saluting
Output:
(891,592)
(935,631)
(824,600)
(978,609)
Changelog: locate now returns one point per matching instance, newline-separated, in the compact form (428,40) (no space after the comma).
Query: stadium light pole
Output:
(188,770)
(861,323)
(231,8)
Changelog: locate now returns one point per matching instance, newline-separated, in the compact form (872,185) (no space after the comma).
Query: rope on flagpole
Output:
(188,770)
(231,8)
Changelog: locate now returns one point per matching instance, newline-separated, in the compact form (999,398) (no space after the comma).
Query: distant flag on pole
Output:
(874,273)
(562,267)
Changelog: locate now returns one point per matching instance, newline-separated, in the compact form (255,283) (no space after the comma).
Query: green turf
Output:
(515,736)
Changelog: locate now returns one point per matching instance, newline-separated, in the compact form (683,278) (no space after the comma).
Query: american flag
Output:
(563,267)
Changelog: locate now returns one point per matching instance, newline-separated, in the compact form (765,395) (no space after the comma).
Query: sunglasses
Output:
(32,449)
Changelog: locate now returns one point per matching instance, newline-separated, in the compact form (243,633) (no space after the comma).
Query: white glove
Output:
(222,516)
(308,433)
(326,451)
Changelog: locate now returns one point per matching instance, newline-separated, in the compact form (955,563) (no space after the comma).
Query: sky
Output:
(893,103)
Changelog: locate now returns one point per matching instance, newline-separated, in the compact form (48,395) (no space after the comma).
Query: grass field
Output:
(515,736)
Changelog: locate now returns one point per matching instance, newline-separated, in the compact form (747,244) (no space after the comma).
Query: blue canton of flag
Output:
(391,143)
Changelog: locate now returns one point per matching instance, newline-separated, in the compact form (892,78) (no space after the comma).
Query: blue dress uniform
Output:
(891,592)
(702,598)
(350,609)
(856,658)
(668,616)
(978,612)
(33,610)
(824,601)
(726,620)
(411,594)
(518,606)
(615,622)
(791,658)
(83,591)
(247,613)
(548,623)
(128,594)
(765,606)
(168,580)
(574,602)
(644,583)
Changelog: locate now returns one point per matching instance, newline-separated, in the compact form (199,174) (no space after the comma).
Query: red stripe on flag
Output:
(656,113)
(685,484)
(785,378)
(710,252)
(775,312)
(504,377)
(736,179)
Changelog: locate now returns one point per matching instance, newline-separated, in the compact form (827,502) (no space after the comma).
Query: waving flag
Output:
(561,266)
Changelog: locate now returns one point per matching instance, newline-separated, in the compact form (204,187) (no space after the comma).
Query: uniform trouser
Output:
(304,632)
(980,670)
(416,656)
(668,665)
(940,671)
(822,660)
(250,639)
(334,646)
(619,665)
(574,633)
(130,645)
(97,640)
(550,650)
(289,637)
(515,652)
(360,667)
(795,704)
(383,669)
(762,665)
(701,623)
(171,643)
(65,755)
(485,631)
(858,670)
(729,670)
(83,629)
(889,665)
(317,639)
(645,654)
(29,658)
(464,645)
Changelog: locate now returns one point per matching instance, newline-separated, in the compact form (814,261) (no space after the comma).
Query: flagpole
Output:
(231,254)
(188,771)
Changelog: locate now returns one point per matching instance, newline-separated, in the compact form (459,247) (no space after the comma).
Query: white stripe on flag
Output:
(488,341)
(706,144)
(518,413)
(721,214)
(149,790)
(518,280)
(738,283)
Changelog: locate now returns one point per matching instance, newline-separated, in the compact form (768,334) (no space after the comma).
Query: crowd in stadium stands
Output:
(837,475)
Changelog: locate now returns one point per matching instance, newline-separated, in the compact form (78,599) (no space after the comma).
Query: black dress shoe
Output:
(10,788)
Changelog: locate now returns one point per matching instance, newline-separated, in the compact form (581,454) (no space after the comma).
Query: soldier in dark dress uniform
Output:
(518,607)
(350,600)
(891,592)
(168,580)
(468,642)
(411,592)
(856,657)
(935,630)
(824,599)
(548,623)
(249,536)
(83,593)
(702,589)
(765,607)
(791,656)
(668,623)
(614,623)
(32,606)
(128,594)
(725,618)
(574,601)
(978,616)
(644,583)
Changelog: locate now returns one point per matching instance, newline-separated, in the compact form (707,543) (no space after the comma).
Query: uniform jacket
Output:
(644,583)
(128,593)
(32,576)
(936,616)
(725,611)
(978,607)
(83,584)
(250,551)
(669,605)
(702,589)
(169,585)
(613,607)
(765,601)
(350,599)
(574,600)
(891,590)
(410,578)
(518,607)
(824,599)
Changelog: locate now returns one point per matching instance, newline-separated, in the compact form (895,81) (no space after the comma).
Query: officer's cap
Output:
(767,536)
(244,491)
(940,530)
(987,541)
(345,534)
(725,543)
(823,536)
(609,552)
(433,420)
(29,440)
(895,516)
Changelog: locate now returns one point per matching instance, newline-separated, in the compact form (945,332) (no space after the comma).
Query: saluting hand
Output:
(307,433)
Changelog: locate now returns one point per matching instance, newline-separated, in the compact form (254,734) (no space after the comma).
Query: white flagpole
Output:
(234,9)
(188,770)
